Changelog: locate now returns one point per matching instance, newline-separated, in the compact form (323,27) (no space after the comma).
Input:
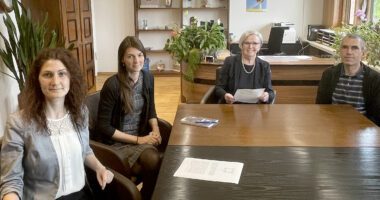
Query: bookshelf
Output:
(155,21)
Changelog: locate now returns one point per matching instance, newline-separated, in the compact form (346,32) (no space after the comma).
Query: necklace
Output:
(248,72)
(56,126)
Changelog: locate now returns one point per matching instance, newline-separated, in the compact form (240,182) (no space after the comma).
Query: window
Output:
(376,10)
(351,11)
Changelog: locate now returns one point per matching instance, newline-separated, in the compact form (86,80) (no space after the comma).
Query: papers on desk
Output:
(285,58)
(210,170)
(248,95)
(200,121)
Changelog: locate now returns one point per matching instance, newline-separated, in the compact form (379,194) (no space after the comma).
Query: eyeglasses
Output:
(251,43)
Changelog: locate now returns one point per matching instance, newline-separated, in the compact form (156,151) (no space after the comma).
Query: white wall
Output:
(112,22)
(8,87)
(299,12)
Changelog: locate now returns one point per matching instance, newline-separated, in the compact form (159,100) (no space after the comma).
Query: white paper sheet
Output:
(210,170)
(248,95)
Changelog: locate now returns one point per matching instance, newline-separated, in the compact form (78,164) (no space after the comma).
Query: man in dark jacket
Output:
(352,82)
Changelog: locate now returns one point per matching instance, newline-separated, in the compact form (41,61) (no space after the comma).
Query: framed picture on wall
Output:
(149,3)
(256,5)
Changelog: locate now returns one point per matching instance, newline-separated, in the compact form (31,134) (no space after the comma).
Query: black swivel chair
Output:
(120,188)
(276,36)
(209,97)
(107,155)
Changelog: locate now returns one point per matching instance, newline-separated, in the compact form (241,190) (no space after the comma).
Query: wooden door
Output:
(77,30)
(72,20)
(87,42)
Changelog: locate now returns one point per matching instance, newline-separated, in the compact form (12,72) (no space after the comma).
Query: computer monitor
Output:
(234,48)
(276,36)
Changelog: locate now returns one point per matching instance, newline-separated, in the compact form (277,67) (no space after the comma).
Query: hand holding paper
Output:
(248,95)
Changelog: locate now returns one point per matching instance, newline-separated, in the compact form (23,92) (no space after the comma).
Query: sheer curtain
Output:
(338,12)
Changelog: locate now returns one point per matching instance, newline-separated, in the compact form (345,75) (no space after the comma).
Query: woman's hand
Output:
(153,138)
(264,97)
(104,177)
(229,98)
(11,196)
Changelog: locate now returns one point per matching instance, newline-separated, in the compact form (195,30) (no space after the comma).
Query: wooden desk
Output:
(295,78)
(277,173)
(289,152)
(276,125)
(322,47)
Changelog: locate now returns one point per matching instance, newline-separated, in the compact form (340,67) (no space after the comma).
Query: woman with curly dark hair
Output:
(46,143)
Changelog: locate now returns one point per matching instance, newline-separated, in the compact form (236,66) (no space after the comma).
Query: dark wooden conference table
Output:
(289,151)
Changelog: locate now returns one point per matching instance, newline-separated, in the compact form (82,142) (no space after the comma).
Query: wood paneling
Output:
(299,94)
(72,20)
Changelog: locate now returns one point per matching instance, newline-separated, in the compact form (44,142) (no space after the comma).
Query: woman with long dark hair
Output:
(127,116)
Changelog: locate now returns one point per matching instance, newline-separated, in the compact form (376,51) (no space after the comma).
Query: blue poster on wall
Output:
(256,5)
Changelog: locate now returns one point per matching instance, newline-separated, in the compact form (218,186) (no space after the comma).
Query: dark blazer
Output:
(229,77)
(371,89)
(110,112)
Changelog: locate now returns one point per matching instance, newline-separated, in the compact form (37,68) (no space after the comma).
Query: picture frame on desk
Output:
(149,3)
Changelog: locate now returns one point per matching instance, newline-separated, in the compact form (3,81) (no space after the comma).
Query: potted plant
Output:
(370,32)
(26,38)
(190,44)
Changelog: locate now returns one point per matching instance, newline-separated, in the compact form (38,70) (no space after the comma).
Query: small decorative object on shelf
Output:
(204,4)
(146,64)
(168,3)
(160,66)
(145,24)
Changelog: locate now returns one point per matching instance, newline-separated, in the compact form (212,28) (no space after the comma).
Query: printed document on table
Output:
(248,95)
(210,170)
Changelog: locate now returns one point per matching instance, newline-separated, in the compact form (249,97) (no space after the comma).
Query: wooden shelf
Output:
(165,72)
(322,47)
(167,8)
(154,29)
(156,51)
(205,8)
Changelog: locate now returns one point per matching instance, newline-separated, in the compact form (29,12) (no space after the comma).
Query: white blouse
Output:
(69,154)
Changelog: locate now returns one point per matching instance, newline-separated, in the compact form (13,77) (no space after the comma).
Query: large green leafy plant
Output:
(26,38)
(370,32)
(192,42)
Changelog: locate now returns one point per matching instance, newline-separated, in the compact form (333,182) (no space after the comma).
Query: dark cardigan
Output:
(110,112)
(371,89)
(229,77)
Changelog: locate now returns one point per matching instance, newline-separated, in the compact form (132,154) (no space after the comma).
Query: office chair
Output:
(105,153)
(210,97)
(276,36)
(234,48)
(120,188)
